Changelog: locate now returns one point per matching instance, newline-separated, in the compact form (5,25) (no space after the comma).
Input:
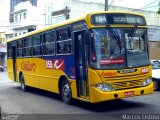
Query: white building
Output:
(3,49)
(80,7)
(28,17)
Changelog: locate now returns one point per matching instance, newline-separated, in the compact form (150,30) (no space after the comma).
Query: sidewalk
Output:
(4,79)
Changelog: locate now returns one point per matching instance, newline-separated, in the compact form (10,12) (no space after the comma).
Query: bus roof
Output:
(67,22)
(124,12)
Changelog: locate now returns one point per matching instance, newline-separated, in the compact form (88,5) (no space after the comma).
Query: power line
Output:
(150,7)
(110,4)
(149,4)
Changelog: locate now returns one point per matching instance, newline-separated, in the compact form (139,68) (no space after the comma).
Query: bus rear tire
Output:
(23,86)
(66,93)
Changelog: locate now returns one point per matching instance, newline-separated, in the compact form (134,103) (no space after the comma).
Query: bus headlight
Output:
(104,87)
(146,82)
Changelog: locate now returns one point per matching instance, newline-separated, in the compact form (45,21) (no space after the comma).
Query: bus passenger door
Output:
(14,57)
(81,65)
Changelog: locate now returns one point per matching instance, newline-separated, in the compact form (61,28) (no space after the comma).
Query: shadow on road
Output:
(40,92)
(114,105)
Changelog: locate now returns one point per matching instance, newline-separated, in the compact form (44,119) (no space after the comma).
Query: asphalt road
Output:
(15,101)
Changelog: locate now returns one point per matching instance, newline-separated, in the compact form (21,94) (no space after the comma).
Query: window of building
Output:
(64,43)
(20,17)
(24,15)
(16,34)
(16,18)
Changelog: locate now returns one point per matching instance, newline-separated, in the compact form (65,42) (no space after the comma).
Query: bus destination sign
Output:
(121,18)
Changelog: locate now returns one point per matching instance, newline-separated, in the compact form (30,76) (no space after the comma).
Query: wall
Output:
(3,49)
(154,42)
(79,8)
(154,48)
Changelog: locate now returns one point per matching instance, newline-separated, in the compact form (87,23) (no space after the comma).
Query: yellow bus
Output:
(98,57)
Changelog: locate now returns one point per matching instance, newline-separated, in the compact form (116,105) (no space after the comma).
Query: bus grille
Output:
(126,82)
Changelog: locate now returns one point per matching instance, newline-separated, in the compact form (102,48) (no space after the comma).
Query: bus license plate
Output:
(129,93)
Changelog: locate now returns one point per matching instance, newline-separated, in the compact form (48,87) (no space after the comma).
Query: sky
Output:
(137,4)
(4,14)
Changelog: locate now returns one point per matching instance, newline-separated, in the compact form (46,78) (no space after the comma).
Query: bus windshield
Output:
(117,48)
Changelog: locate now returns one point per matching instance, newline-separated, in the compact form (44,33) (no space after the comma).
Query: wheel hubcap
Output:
(22,85)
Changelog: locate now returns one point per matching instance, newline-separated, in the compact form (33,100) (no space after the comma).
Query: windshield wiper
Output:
(131,35)
(114,36)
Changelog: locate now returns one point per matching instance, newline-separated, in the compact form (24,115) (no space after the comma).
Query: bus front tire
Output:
(156,85)
(23,86)
(66,93)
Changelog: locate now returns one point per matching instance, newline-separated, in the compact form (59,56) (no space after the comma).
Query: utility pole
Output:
(106,5)
(64,12)
(67,11)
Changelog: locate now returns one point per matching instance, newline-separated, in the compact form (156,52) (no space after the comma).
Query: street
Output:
(15,101)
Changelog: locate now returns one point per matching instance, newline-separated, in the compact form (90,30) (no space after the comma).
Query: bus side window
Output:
(9,49)
(19,48)
(58,48)
(27,47)
(37,41)
(49,43)
(64,41)
(66,48)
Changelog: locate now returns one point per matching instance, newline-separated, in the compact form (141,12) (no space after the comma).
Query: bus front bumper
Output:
(97,95)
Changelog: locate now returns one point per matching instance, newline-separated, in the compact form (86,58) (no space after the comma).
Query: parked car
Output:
(156,74)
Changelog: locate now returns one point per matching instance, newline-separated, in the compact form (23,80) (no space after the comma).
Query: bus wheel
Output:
(66,92)
(156,84)
(23,86)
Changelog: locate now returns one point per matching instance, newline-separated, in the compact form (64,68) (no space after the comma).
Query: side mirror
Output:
(87,37)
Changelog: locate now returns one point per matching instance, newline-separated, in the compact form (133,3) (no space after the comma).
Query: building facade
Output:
(28,15)
(13,3)
(26,19)
(3,49)
(79,7)
(154,41)
(76,7)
